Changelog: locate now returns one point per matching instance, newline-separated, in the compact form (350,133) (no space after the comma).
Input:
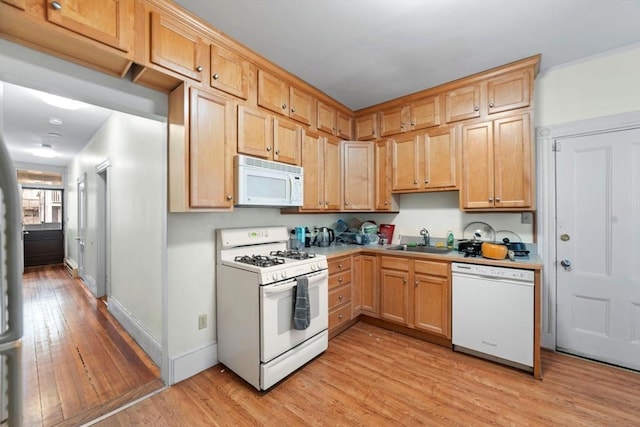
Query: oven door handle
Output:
(290,284)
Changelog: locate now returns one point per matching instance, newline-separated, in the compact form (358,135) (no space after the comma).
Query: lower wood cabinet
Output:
(416,294)
(365,295)
(340,281)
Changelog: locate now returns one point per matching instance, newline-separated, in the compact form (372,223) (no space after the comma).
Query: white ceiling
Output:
(362,52)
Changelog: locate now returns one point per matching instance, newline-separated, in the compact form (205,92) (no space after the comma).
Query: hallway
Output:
(78,362)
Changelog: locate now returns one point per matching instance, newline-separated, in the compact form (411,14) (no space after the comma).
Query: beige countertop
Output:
(534,262)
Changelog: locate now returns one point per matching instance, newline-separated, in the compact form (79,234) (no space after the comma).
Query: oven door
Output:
(276,305)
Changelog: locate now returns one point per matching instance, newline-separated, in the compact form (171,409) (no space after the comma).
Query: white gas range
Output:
(257,278)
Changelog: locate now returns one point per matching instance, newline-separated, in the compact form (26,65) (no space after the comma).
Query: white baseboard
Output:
(71,266)
(90,282)
(149,343)
(188,364)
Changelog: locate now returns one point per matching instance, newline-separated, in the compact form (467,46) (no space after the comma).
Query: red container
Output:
(386,231)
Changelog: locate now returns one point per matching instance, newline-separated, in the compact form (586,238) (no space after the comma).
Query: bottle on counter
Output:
(450,239)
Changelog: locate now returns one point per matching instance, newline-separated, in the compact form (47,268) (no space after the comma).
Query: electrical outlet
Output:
(202,321)
(527,218)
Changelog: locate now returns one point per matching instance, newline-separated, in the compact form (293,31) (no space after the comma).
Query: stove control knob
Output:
(314,267)
(274,276)
(283,274)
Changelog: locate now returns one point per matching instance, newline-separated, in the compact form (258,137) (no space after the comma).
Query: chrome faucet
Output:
(425,234)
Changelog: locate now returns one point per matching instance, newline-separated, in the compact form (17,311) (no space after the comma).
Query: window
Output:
(42,208)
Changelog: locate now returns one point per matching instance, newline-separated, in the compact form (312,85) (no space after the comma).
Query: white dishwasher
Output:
(492,313)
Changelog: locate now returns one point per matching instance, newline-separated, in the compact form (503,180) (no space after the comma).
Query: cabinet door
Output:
(210,164)
(431,304)
(20,4)
(366,127)
(394,298)
(332,174)
(463,103)
(425,113)
(326,118)
(229,72)
(391,122)
(358,175)
(509,91)
(476,186)
(312,159)
(513,162)
(370,286)
(356,286)
(286,142)
(101,20)
(383,177)
(176,47)
(273,93)
(343,121)
(439,159)
(301,108)
(254,132)
(405,159)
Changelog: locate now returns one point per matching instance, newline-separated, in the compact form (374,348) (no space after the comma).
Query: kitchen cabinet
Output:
(424,162)
(321,160)
(384,200)
(416,294)
(497,165)
(419,114)
(93,33)
(340,282)
(201,148)
(358,175)
(368,286)
(268,137)
(278,96)
(462,103)
(177,47)
(229,72)
(366,127)
(344,124)
(333,121)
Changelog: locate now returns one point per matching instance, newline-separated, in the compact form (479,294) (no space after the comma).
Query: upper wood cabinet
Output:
(333,174)
(405,163)
(229,72)
(366,127)
(462,103)
(278,96)
(419,114)
(358,175)
(286,141)
(254,133)
(177,47)
(201,148)
(497,165)
(321,160)
(97,34)
(326,120)
(344,124)
(384,200)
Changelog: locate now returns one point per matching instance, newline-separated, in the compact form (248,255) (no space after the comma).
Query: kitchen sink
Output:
(421,249)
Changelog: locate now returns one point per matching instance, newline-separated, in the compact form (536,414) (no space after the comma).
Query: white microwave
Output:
(264,183)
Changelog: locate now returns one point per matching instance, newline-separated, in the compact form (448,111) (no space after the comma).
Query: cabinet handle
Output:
(293,110)
(497,199)
(476,108)
(340,316)
(339,130)
(268,148)
(491,104)
(340,280)
(340,266)
(491,199)
(229,197)
(415,181)
(326,203)
(373,131)
(56,5)
(320,203)
(199,68)
(386,203)
(277,152)
(216,76)
(404,281)
(284,106)
(413,123)
(416,283)
(346,203)
(401,125)
(340,297)
(426,181)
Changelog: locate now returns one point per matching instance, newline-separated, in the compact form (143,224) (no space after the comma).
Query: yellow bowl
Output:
(493,251)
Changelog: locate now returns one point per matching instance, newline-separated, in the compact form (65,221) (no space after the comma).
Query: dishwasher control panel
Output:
(494,272)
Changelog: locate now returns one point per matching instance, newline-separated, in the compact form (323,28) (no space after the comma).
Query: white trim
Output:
(103,165)
(149,343)
(165,367)
(90,283)
(615,51)
(187,364)
(546,218)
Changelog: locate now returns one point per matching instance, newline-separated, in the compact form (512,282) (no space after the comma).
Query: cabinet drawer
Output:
(432,268)
(339,316)
(337,265)
(339,296)
(394,263)
(339,279)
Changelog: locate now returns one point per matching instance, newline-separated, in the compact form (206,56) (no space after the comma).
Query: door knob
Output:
(565,237)
(566,264)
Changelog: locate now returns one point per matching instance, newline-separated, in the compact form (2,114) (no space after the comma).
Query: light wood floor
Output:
(78,362)
(373,377)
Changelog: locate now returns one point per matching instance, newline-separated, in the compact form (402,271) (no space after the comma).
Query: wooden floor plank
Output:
(78,362)
(374,377)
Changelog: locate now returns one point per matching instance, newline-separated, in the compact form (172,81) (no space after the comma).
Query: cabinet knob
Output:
(415,283)
(476,108)
(340,280)
(346,203)
(373,131)
(426,181)
(199,68)
(216,76)
(277,152)
(404,281)
(340,266)
(491,104)
(339,130)
(320,203)
(401,125)
(415,181)
(497,199)
(413,123)
(340,316)
(284,106)
(326,203)
(491,199)
(386,203)
(268,148)
(229,197)
(56,5)
(340,297)
(293,110)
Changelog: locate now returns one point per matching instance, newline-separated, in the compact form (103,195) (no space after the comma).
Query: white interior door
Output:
(82,224)
(598,246)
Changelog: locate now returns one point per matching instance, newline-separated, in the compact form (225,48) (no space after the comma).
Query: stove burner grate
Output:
(259,260)
(291,254)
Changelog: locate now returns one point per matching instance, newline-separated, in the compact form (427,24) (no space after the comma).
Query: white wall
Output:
(135,147)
